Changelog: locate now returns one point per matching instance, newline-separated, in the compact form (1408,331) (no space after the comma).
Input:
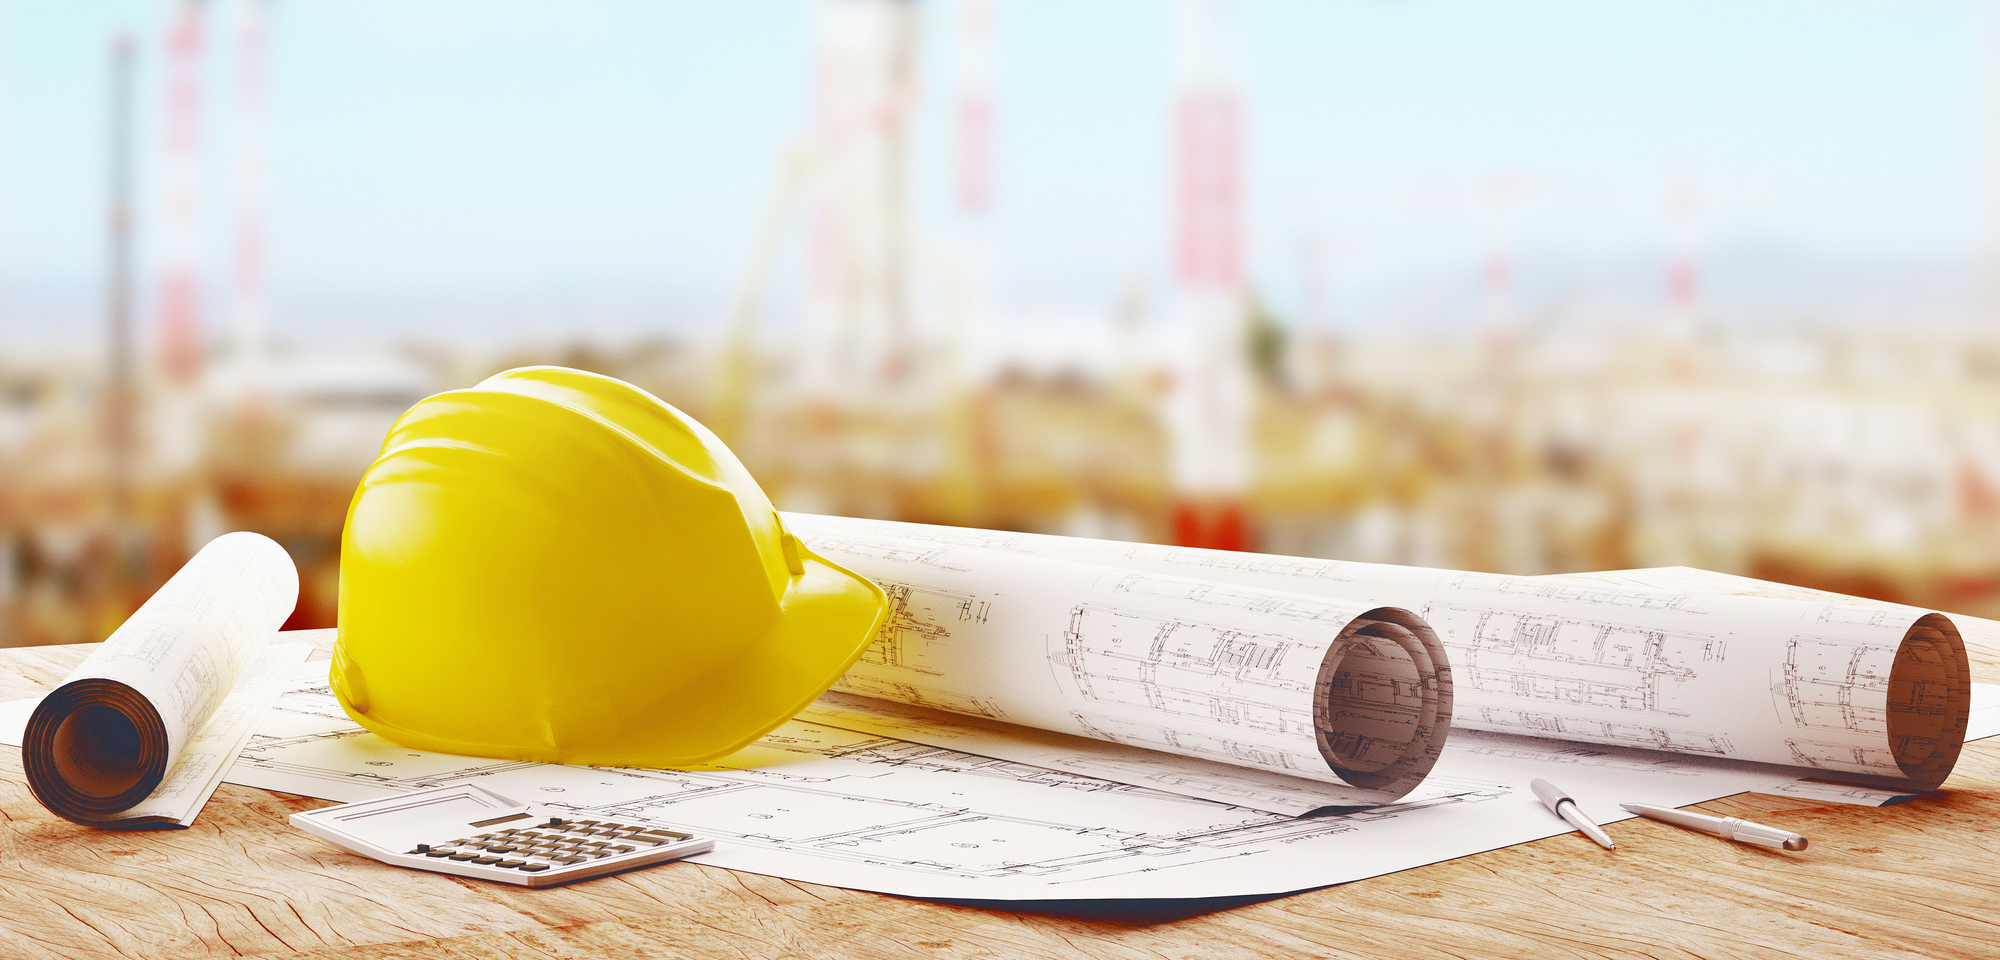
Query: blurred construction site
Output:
(863,359)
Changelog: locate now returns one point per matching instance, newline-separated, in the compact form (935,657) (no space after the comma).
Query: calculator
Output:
(469,831)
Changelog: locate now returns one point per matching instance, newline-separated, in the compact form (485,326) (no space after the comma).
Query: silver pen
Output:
(1734,828)
(1562,806)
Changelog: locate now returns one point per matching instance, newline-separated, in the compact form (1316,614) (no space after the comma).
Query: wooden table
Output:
(1917,880)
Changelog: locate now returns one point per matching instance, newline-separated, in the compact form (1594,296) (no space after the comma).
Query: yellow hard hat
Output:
(557,566)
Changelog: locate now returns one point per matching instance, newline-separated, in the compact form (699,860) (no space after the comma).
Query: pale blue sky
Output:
(493,149)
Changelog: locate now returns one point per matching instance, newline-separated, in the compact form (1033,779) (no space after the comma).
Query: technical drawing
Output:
(194,688)
(1618,666)
(816,794)
(1189,669)
(1878,617)
(1241,598)
(1808,753)
(1500,746)
(919,620)
(1573,592)
(1298,568)
(939,556)
(1556,726)
(1206,746)
(150,642)
(196,595)
(1838,684)
(1254,692)
(924,696)
(903,661)
(962,537)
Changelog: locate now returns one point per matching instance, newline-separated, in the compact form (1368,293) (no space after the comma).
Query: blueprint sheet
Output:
(1836,689)
(822,804)
(188,673)
(1351,701)
(819,803)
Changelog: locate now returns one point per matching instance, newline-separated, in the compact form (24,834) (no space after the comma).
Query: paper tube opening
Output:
(1382,704)
(1930,699)
(93,748)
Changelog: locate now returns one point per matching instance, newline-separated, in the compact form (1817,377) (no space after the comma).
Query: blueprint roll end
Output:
(1929,700)
(93,748)
(1382,703)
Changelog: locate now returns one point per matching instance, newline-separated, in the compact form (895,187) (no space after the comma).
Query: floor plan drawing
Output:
(1706,668)
(1298,568)
(834,805)
(830,805)
(905,661)
(1842,756)
(1290,606)
(928,554)
(1183,667)
(1876,617)
(1836,685)
(1560,727)
(1573,592)
(1572,660)
(1154,736)
(1230,673)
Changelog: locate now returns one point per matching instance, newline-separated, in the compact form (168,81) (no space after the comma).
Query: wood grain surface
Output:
(1916,880)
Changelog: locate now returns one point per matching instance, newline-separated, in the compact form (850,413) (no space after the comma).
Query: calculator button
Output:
(486,861)
(511,864)
(534,867)
(439,852)
(461,857)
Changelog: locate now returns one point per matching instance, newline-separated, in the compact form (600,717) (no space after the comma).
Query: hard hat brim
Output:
(830,616)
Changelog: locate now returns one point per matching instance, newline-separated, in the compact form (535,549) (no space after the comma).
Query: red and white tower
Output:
(975,121)
(1208,407)
(1683,284)
(178,328)
(247,295)
(177,445)
(858,324)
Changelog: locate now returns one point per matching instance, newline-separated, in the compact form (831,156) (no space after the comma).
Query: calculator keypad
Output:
(553,844)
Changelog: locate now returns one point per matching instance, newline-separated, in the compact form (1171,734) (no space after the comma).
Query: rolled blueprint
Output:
(1868,694)
(142,731)
(1356,696)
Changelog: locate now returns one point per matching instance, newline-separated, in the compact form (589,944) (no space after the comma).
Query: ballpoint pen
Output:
(1559,803)
(1732,827)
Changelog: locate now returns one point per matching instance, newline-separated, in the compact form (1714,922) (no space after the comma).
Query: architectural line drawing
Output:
(840,799)
(1559,727)
(150,643)
(1234,672)
(918,554)
(1572,660)
(1298,568)
(909,649)
(1574,593)
(1291,607)
(1704,669)
(829,805)
(1838,756)
(1837,685)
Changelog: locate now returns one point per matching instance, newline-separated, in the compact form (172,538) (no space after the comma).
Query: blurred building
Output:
(1537,438)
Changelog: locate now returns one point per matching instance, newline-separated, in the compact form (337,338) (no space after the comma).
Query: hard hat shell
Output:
(557,566)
